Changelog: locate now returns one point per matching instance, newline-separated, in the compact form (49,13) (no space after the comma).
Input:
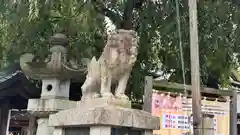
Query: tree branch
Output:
(138,3)
(115,17)
(121,22)
(127,22)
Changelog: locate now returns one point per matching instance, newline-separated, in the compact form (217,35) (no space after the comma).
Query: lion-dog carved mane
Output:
(114,65)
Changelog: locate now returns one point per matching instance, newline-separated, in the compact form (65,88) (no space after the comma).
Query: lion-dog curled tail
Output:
(93,71)
(93,67)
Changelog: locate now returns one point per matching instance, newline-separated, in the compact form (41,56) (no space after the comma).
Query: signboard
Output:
(175,114)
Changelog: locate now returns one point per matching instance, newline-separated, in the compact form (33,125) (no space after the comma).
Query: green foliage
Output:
(218,38)
(26,25)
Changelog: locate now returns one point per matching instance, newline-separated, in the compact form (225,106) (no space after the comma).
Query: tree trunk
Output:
(128,15)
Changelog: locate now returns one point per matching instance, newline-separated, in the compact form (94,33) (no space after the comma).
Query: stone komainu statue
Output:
(114,65)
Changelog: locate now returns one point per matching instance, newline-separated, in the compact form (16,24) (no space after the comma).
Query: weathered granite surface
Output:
(42,126)
(55,88)
(58,131)
(113,66)
(96,102)
(100,130)
(44,107)
(106,114)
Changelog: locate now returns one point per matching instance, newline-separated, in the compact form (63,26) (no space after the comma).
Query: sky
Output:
(110,26)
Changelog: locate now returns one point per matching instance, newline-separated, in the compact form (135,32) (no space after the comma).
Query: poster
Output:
(175,114)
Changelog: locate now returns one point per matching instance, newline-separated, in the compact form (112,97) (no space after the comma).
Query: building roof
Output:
(15,88)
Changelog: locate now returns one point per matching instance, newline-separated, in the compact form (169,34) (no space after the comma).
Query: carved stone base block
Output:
(45,107)
(106,119)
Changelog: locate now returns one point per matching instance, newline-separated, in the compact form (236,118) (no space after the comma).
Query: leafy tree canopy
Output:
(26,25)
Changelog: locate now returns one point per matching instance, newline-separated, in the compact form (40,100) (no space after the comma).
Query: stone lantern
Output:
(55,73)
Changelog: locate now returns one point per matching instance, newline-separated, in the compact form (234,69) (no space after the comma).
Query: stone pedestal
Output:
(103,117)
(54,98)
(42,108)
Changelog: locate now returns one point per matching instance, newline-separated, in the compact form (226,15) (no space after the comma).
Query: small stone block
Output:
(142,119)
(103,102)
(100,130)
(58,131)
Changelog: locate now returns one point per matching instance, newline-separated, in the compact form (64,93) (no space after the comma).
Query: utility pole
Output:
(195,74)
(233,112)
(234,108)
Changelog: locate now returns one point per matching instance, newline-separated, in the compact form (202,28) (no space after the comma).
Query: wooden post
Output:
(147,101)
(233,113)
(195,74)
(4,112)
(8,121)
